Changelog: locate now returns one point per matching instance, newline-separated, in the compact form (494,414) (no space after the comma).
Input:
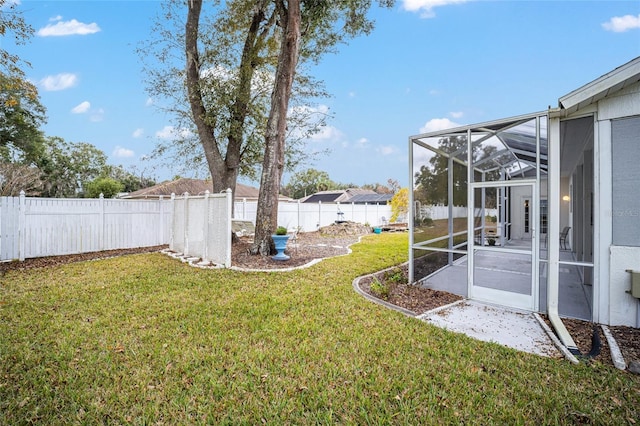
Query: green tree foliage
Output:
(431,181)
(219,106)
(21,116)
(21,113)
(132,180)
(106,186)
(307,182)
(67,166)
(12,23)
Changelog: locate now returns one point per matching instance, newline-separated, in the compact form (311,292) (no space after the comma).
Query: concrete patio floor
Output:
(508,327)
(512,272)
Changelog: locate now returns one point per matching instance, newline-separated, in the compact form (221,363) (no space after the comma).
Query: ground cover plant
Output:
(145,339)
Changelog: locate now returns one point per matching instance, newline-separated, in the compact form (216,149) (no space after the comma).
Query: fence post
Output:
(227,262)
(161,218)
(186,223)
(101,222)
(173,221)
(366,216)
(22,238)
(205,248)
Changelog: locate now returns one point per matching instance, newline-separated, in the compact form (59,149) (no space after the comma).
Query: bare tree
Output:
(19,177)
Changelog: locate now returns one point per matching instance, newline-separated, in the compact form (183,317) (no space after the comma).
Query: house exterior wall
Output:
(612,305)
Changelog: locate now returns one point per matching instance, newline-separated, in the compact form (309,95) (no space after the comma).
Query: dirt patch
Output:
(43,262)
(303,248)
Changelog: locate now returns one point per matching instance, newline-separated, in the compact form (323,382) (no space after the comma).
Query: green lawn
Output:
(146,339)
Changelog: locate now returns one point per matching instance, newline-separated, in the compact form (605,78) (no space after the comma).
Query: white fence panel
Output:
(442,212)
(37,227)
(202,227)
(9,216)
(308,217)
(135,223)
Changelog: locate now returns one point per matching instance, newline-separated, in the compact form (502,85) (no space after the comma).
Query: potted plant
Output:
(280,240)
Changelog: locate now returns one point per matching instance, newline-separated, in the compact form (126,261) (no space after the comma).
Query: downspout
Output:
(553,147)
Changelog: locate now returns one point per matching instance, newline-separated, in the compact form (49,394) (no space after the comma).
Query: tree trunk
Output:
(224,170)
(273,163)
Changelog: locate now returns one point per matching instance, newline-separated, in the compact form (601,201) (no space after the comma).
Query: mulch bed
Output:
(43,262)
(304,248)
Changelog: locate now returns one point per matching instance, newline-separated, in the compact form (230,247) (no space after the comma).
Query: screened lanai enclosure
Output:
(498,180)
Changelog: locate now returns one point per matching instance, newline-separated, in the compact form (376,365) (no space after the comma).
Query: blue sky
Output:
(428,64)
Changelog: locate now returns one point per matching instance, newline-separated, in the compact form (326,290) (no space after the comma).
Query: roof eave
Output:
(621,77)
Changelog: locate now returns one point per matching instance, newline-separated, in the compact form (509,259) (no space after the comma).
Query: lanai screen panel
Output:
(500,151)
(440,202)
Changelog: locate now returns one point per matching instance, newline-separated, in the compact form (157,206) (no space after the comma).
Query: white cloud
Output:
(620,24)
(137,133)
(425,7)
(352,94)
(121,152)
(97,115)
(436,124)
(327,133)
(149,102)
(362,142)
(386,149)
(456,114)
(58,82)
(65,28)
(55,18)
(170,132)
(81,108)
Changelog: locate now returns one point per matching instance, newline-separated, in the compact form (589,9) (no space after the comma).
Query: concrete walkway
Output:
(508,327)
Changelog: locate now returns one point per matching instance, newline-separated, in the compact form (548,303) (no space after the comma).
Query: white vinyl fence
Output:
(37,227)
(201,227)
(195,226)
(308,217)
(442,212)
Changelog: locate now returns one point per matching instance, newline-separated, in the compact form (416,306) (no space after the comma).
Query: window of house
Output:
(544,208)
(625,209)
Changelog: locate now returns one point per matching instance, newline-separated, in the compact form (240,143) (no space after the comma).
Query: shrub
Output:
(379,289)
(396,276)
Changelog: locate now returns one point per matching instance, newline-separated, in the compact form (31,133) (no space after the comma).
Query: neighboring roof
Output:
(324,197)
(613,81)
(370,198)
(347,196)
(193,187)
